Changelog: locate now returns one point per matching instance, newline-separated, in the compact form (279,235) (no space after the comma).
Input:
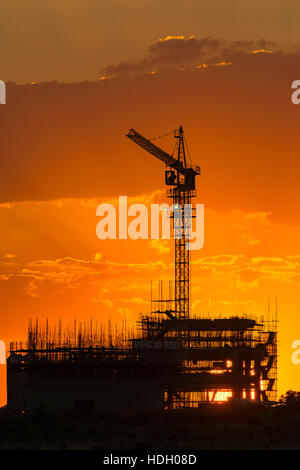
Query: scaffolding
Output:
(220,359)
(196,361)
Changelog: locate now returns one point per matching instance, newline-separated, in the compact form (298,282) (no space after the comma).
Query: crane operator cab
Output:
(178,173)
(187,179)
(170,177)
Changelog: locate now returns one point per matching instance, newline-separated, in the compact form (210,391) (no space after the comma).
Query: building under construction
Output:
(172,360)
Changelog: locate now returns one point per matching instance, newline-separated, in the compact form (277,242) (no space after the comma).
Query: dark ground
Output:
(216,428)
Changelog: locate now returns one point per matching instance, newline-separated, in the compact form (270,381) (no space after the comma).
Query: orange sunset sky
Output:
(72,95)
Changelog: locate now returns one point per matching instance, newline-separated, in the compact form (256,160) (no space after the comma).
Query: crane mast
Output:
(182,177)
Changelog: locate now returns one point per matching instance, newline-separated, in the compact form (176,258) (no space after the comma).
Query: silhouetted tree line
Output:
(290,398)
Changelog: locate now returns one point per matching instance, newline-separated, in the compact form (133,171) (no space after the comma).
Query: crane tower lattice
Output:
(181,177)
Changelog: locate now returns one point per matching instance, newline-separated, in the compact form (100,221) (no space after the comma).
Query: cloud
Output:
(162,246)
(68,272)
(73,272)
(250,239)
(217,260)
(231,305)
(117,300)
(227,111)
(150,266)
(179,52)
(262,217)
(240,274)
(9,256)
(273,263)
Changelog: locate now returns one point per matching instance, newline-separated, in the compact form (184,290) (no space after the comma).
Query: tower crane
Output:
(181,177)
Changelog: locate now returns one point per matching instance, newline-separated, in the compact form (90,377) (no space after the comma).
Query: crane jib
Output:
(159,153)
(151,148)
